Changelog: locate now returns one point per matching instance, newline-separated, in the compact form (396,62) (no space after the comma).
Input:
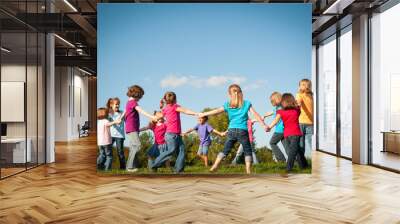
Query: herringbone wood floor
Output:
(70,191)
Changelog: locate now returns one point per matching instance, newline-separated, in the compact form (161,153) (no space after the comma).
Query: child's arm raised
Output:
(258,117)
(140,110)
(186,111)
(212,112)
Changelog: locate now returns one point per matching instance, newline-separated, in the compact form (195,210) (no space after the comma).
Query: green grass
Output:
(262,168)
(267,166)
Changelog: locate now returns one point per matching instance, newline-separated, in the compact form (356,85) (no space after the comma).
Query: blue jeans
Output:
(174,145)
(241,136)
(295,152)
(275,139)
(161,149)
(306,139)
(119,143)
(104,159)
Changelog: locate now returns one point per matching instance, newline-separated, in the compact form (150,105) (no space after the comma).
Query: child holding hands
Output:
(277,137)
(237,109)
(289,114)
(171,112)
(132,124)
(160,146)
(204,130)
(104,159)
(117,130)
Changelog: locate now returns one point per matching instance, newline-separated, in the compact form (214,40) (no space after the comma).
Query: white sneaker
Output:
(134,170)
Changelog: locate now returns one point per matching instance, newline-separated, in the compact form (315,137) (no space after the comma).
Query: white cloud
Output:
(174,81)
(222,80)
(255,85)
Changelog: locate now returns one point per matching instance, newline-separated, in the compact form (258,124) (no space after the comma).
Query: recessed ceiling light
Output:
(338,6)
(70,5)
(5,50)
(84,71)
(64,40)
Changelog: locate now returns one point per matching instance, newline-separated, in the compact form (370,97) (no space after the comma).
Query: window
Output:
(346,92)
(385,88)
(327,95)
(22,82)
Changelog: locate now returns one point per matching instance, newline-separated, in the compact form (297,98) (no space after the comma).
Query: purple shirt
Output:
(132,122)
(204,131)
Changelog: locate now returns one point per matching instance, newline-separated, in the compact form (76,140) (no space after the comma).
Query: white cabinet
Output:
(17,147)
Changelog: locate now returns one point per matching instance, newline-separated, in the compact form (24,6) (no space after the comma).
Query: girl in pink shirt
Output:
(171,112)
(158,128)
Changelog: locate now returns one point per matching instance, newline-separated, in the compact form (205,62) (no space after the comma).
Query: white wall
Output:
(11,73)
(33,127)
(71,102)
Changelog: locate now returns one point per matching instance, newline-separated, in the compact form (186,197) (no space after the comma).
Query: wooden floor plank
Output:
(70,191)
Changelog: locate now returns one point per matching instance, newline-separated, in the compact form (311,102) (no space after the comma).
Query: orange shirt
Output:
(307,108)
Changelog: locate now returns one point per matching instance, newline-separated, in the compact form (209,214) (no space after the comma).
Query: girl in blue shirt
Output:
(278,134)
(117,130)
(237,109)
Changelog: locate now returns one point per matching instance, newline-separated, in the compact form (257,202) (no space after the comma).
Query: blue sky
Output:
(198,50)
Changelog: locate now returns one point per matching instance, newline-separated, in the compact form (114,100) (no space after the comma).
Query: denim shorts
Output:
(203,150)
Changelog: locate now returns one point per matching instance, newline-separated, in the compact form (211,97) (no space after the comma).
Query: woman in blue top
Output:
(237,110)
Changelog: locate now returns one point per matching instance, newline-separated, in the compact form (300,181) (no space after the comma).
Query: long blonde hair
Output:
(308,89)
(236,94)
(276,97)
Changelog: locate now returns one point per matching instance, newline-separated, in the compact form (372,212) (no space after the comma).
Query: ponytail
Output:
(236,96)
